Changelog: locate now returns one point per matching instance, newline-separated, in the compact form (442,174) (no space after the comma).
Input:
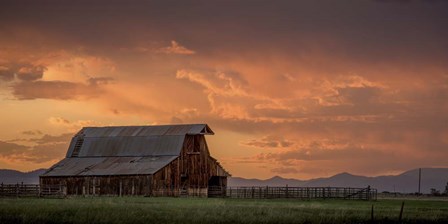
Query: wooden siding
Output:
(190,173)
(101,185)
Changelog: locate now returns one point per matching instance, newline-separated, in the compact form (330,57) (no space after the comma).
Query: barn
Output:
(163,160)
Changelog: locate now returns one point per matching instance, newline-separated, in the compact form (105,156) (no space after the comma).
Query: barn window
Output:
(78,146)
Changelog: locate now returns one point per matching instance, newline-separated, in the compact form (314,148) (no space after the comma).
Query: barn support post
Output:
(88,186)
(121,186)
(133,187)
(64,190)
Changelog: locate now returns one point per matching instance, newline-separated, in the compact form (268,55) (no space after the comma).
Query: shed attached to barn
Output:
(165,160)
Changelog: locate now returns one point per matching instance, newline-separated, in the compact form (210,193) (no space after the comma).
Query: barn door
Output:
(217,186)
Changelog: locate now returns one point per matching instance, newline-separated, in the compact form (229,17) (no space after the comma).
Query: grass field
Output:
(205,210)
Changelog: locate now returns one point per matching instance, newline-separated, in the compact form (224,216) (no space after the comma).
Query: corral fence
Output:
(298,192)
(30,190)
(58,191)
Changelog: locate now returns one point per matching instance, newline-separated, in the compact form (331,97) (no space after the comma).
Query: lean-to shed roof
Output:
(103,166)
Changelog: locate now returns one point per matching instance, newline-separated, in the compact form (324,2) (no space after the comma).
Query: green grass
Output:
(205,210)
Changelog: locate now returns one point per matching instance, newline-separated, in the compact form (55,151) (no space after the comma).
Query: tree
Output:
(446,189)
(435,192)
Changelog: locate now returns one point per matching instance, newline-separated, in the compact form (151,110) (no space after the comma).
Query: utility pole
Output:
(419,179)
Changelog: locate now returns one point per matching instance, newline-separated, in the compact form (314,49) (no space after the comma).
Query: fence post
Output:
(308,194)
(253,196)
(368,193)
(401,212)
(349,193)
(324,193)
(287,191)
(267,191)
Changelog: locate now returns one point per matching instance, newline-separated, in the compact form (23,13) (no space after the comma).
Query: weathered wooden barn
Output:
(166,160)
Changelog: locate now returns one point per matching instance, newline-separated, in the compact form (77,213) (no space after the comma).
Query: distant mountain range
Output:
(14,176)
(406,182)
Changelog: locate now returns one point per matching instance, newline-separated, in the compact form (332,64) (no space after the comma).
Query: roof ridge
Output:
(161,125)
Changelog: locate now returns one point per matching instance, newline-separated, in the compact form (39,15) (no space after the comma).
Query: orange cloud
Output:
(176,48)
(46,149)
(72,125)
(268,142)
(340,94)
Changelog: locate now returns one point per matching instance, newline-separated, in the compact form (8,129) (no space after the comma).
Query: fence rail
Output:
(30,190)
(57,191)
(34,190)
(302,192)
(19,190)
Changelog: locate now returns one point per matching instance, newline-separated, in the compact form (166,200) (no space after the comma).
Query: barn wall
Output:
(166,182)
(190,173)
(101,185)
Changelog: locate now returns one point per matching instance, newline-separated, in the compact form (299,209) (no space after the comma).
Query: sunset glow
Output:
(299,89)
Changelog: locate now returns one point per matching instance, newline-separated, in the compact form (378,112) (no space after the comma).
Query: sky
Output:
(292,88)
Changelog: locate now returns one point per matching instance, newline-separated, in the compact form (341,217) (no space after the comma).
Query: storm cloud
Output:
(300,88)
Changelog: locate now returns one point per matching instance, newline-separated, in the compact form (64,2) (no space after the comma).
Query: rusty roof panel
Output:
(153,130)
(157,130)
(100,166)
(179,130)
(132,146)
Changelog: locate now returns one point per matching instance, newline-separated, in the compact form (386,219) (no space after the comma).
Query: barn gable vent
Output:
(78,146)
(206,131)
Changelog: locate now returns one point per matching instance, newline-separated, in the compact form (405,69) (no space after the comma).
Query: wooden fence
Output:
(19,190)
(302,192)
(30,190)
(34,190)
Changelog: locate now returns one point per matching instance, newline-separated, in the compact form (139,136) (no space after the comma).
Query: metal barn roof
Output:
(156,130)
(124,150)
(101,166)
(169,145)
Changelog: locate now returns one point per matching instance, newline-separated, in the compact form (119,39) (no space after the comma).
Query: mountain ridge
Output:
(8,176)
(405,182)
